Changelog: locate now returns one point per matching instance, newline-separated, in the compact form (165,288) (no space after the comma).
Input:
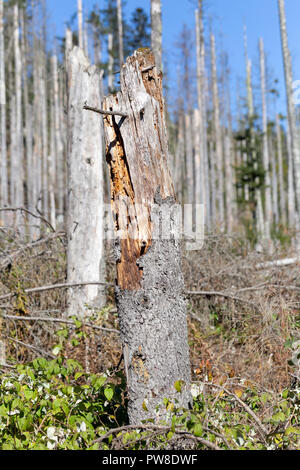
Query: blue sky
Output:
(227,18)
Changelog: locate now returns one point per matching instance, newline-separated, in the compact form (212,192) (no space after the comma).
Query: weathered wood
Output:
(85,185)
(3,160)
(150,287)
(156,32)
(293,145)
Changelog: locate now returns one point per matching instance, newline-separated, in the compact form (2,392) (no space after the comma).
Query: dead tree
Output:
(149,291)
(85,185)
(3,160)
(156,32)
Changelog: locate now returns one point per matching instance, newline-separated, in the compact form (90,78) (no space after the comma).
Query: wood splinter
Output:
(103,111)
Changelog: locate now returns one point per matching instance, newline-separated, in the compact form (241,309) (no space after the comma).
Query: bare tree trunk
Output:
(156,32)
(213,190)
(3,169)
(110,63)
(179,174)
(295,151)
(52,157)
(274,181)
(260,224)
(68,41)
(59,147)
(37,132)
(202,176)
(149,291)
(44,115)
(291,184)
(28,126)
(282,195)
(189,159)
(230,213)
(19,191)
(80,24)
(120,32)
(85,185)
(266,158)
(217,133)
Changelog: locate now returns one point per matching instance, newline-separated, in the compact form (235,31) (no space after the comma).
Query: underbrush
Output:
(55,405)
(62,384)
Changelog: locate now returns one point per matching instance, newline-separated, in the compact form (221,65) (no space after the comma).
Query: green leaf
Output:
(109,393)
(178,385)
(198,430)
(145,406)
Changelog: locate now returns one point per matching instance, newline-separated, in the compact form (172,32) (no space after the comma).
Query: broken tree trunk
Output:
(85,186)
(149,291)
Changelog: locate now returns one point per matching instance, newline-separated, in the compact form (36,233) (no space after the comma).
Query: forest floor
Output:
(243,316)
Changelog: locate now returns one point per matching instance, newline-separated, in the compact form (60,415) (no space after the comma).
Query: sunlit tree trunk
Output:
(156,32)
(80,23)
(282,194)
(149,291)
(295,150)
(85,186)
(266,158)
(120,32)
(19,174)
(202,176)
(217,133)
(110,63)
(3,163)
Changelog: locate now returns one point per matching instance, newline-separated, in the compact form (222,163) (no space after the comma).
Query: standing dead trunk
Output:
(19,192)
(295,150)
(201,170)
(156,32)
(85,185)
(110,63)
(3,162)
(282,195)
(149,292)
(189,160)
(120,32)
(217,133)
(266,156)
(80,24)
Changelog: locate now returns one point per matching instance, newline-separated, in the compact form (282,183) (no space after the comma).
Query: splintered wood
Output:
(137,156)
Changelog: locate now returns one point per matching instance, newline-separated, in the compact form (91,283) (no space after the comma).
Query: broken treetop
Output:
(137,154)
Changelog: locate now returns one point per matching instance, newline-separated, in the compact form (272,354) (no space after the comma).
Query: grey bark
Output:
(295,151)
(3,169)
(149,292)
(120,32)
(19,175)
(110,63)
(85,186)
(156,32)
(260,223)
(80,23)
(202,176)
(217,133)
(189,160)
(266,157)
(282,194)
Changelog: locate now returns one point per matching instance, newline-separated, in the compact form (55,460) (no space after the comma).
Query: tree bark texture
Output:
(149,291)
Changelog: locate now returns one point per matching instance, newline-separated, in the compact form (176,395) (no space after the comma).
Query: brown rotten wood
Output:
(150,288)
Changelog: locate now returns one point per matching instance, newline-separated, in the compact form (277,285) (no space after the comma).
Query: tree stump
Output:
(150,288)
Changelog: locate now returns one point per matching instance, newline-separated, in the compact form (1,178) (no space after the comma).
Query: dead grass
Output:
(241,335)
